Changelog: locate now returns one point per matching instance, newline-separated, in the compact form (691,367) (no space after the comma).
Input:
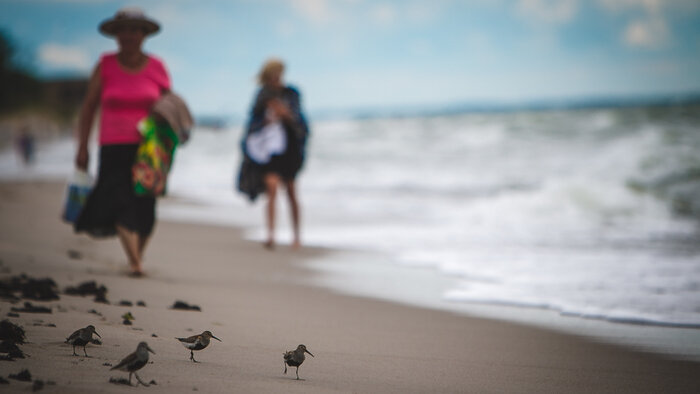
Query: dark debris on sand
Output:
(74,254)
(12,314)
(120,381)
(101,298)
(29,308)
(29,288)
(140,303)
(4,381)
(7,293)
(23,376)
(181,305)
(38,385)
(125,303)
(40,323)
(11,335)
(11,349)
(89,288)
(94,312)
(128,317)
(12,332)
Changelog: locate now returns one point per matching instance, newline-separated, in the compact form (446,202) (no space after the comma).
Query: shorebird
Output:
(82,337)
(294,358)
(135,361)
(197,342)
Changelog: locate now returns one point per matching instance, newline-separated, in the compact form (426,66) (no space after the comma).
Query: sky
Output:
(349,55)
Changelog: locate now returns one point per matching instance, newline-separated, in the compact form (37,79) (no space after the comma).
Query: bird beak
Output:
(309,353)
(150,350)
(97,334)
(217,338)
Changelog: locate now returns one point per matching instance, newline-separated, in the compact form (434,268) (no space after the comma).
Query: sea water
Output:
(589,212)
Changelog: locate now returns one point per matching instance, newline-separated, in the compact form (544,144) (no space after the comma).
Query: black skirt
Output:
(112,201)
(288,164)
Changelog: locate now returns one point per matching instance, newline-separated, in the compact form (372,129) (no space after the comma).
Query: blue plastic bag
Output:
(77,192)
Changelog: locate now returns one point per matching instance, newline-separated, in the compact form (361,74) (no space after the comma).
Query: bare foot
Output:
(137,274)
(296,245)
(269,245)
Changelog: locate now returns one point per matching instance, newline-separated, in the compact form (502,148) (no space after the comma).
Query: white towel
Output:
(268,141)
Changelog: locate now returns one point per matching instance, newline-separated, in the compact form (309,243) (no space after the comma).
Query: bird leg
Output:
(297,372)
(85,352)
(130,373)
(192,356)
(139,380)
(74,353)
(285,368)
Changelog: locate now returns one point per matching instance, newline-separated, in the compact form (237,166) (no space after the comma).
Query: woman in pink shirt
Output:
(125,85)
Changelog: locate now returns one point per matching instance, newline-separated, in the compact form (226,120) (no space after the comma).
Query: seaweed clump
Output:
(89,288)
(185,306)
(29,288)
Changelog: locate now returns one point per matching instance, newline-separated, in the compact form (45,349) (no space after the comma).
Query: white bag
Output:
(79,187)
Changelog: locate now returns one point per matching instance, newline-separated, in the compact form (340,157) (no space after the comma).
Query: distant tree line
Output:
(22,91)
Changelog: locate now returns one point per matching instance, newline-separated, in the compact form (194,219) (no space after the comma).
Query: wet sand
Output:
(261,303)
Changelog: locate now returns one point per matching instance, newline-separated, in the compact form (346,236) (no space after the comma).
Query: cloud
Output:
(548,11)
(617,5)
(650,31)
(421,12)
(316,11)
(650,6)
(64,57)
(383,14)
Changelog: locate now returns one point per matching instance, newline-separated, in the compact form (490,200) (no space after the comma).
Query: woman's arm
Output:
(87,116)
(292,115)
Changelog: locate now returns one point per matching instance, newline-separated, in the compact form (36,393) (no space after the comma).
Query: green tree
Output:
(18,88)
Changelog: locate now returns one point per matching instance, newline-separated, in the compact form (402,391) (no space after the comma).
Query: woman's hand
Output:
(82,158)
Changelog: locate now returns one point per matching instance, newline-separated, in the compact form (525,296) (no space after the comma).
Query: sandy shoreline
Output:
(260,304)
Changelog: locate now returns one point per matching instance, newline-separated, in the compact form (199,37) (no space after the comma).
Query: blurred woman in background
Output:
(274,146)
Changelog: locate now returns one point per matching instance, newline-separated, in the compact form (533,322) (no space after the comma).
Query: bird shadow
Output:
(288,378)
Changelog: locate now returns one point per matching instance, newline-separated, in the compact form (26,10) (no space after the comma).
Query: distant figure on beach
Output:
(274,146)
(25,146)
(125,85)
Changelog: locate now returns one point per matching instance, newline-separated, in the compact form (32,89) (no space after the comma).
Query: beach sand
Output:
(260,303)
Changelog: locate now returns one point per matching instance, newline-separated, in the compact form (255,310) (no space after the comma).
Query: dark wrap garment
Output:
(288,164)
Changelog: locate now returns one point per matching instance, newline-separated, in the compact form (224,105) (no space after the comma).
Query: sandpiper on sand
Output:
(197,342)
(135,361)
(82,337)
(294,358)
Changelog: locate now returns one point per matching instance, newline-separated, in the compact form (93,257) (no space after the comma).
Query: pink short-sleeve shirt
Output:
(127,98)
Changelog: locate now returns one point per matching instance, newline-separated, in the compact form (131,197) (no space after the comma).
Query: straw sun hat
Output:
(129,15)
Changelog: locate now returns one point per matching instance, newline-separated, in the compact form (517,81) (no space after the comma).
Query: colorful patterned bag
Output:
(154,157)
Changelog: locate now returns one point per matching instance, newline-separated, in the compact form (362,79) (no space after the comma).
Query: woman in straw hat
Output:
(274,146)
(125,85)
